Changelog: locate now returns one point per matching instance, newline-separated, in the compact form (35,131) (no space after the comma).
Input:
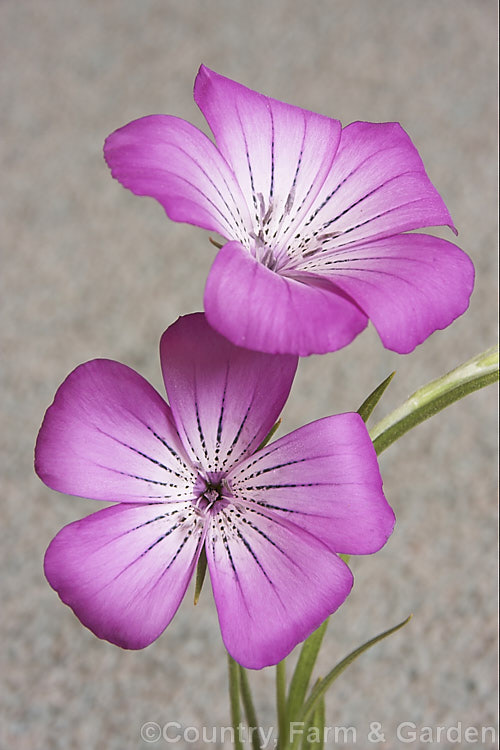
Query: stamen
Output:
(290,200)
(329,236)
(262,205)
(269,260)
(212,492)
(269,212)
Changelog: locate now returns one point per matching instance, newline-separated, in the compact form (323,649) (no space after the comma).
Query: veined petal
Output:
(324,478)
(279,153)
(124,570)
(273,584)
(377,187)
(110,436)
(224,399)
(259,309)
(409,285)
(169,159)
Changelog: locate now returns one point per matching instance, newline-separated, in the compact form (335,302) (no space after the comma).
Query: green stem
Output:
(303,671)
(431,398)
(248,705)
(314,733)
(234,700)
(281,704)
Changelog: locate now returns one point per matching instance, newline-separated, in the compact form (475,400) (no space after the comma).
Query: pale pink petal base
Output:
(273,585)
(225,399)
(279,153)
(125,569)
(259,309)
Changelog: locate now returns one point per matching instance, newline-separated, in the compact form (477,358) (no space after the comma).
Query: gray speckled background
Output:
(89,270)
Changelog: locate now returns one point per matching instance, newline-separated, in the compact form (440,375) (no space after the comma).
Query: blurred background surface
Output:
(88,270)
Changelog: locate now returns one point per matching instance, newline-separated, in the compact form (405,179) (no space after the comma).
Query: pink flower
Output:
(191,475)
(315,216)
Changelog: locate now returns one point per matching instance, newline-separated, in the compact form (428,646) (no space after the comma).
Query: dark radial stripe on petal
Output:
(237,436)
(248,546)
(270,468)
(141,479)
(374,217)
(200,431)
(268,539)
(170,450)
(250,172)
(140,453)
(271,188)
(214,185)
(221,418)
(289,484)
(185,540)
(347,177)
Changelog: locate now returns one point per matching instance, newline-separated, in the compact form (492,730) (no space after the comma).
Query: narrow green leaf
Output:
(214,242)
(281,704)
(269,434)
(371,402)
(431,398)
(234,701)
(201,570)
(303,670)
(314,733)
(248,705)
(322,686)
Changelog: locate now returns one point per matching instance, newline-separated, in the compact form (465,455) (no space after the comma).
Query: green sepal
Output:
(269,434)
(201,570)
(371,402)
(249,708)
(299,683)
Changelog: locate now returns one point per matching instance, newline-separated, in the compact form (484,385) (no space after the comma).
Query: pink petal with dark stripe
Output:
(409,285)
(377,187)
(273,584)
(323,478)
(124,570)
(224,399)
(280,154)
(109,436)
(169,159)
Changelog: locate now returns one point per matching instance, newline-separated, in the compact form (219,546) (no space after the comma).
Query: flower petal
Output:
(169,159)
(279,153)
(409,285)
(224,399)
(125,569)
(377,187)
(259,309)
(273,584)
(324,478)
(109,436)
